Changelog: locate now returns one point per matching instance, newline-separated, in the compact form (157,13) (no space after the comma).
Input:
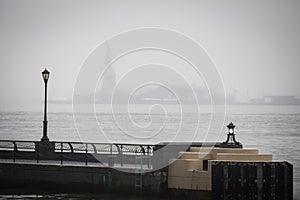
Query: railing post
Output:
(37,153)
(61,153)
(15,151)
(14,155)
(148,156)
(121,155)
(86,154)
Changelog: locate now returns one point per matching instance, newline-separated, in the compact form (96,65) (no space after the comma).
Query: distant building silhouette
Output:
(108,82)
(281,100)
(276,100)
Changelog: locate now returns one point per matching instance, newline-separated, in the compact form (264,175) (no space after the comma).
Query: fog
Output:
(254,44)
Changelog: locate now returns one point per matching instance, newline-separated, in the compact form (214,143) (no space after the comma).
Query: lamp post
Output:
(45,75)
(230,135)
(231,141)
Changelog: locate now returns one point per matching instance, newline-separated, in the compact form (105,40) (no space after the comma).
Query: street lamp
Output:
(45,75)
(230,135)
(231,141)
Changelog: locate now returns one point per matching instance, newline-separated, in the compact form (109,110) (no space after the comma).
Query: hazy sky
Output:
(255,44)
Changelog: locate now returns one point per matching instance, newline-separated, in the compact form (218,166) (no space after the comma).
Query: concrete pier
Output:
(240,174)
(231,173)
(199,170)
(68,178)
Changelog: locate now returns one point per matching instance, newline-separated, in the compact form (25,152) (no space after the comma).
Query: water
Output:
(271,129)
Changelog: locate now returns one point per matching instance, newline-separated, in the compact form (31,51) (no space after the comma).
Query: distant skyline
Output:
(254,44)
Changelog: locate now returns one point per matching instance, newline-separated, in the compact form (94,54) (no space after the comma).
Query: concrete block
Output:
(194,155)
(215,151)
(243,157)
(195,181)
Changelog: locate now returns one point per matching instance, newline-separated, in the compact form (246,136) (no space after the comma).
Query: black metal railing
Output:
(82,153)
(105,154)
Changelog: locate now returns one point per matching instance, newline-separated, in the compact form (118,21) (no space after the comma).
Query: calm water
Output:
(271,129)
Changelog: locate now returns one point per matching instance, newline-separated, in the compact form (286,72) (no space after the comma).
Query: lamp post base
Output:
(44,147)
(231,145)
(45,139)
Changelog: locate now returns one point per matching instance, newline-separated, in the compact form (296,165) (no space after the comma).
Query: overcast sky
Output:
(255,44)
